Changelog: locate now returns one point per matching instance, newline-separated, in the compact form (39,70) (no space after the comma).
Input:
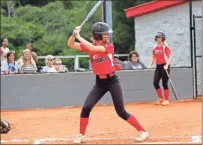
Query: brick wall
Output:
(175,23)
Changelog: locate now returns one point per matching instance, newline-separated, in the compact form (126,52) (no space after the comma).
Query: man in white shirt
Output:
(4,49)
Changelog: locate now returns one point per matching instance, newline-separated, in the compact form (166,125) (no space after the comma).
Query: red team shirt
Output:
(102,62)
(117,67)
(161,54)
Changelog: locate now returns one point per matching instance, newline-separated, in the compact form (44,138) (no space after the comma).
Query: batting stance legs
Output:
(102,86)
(160,73)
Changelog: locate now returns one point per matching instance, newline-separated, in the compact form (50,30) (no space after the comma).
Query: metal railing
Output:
(77,59)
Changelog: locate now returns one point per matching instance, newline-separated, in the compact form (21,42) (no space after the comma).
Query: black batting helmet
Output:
(160,34)
(100,28)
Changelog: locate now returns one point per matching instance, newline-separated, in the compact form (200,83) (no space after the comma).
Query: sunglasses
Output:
(50,59)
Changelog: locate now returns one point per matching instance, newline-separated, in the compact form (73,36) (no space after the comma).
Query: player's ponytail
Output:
(165,43)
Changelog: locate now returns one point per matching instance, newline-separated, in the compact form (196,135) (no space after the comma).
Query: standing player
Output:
(4,49)
(101,53)
(162,56)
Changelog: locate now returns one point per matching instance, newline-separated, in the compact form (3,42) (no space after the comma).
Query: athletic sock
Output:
(159,93)
(166,94)
(83,125)
(133,121)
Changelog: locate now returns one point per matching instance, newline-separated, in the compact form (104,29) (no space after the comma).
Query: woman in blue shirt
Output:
(9,66)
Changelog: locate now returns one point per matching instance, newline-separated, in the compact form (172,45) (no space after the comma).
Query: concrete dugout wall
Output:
(71,89)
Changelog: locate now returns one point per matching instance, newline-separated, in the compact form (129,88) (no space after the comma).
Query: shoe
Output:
(143,135)
(78,139)
(165,103)
(159,101)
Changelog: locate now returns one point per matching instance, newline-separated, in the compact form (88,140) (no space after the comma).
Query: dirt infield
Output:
(166,124)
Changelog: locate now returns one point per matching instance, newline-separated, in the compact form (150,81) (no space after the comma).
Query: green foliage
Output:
(48,23)
(124,40)
(3,12)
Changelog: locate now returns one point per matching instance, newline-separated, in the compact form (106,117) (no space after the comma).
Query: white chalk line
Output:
(39,141)
(166,143)
(14,140)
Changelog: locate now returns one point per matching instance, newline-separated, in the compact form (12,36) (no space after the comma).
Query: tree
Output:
(124,40)
(48,23)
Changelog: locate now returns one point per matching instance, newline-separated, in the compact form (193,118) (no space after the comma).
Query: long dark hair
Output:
(8,54)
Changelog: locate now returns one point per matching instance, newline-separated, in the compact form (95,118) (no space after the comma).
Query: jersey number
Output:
(111,58)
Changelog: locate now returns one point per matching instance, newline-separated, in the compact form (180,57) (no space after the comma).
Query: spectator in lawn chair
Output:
(26,63)
(4,49)
(49,68)
(134,62)
(10,66)
(59,66)
(34,54)
(119,65)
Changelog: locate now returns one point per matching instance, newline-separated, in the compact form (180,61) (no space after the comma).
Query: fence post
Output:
(76,63)
(191,45)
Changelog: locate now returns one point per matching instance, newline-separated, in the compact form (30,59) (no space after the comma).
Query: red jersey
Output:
(161,54)
(101,62)
(117,67)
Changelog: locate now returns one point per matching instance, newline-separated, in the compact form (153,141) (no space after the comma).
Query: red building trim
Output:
(151,7)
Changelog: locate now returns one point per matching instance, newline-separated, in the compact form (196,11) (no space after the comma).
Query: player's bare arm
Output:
(151,61)
(168,62)
(89,46)
(2,51)
(72,44)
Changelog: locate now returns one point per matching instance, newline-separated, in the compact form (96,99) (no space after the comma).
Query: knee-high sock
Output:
(159,93)
(166,93)
(83,125)
(133,121)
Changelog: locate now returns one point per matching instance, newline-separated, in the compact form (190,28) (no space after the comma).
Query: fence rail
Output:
(77,59)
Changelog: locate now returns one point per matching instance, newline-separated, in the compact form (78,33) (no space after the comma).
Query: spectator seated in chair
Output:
(59,67)
(26,63)
(119,65)
(10,66)
(134,62)
(49,68)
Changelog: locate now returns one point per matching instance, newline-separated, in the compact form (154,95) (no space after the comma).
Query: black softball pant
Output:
(160,73)
(102,86)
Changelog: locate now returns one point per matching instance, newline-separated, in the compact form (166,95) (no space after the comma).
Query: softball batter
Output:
(162,56)
(101,53)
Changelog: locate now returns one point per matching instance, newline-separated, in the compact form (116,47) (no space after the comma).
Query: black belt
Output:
(105,76)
